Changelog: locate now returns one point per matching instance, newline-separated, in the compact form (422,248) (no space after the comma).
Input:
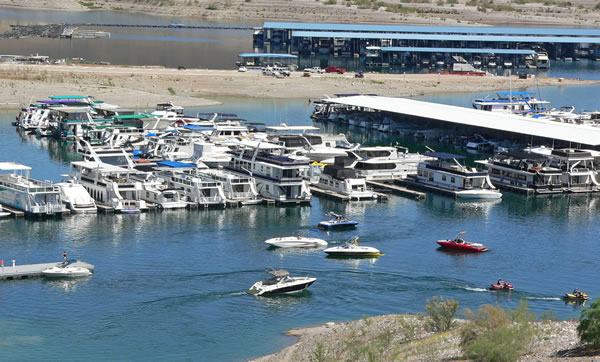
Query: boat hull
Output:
(295,242)
(337,225)
(288,290)
(449,244)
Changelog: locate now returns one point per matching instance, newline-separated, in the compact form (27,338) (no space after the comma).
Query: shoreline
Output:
(145,86)
(410,340)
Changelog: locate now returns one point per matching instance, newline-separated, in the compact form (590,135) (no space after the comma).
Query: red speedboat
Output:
(458,243)
(501,286)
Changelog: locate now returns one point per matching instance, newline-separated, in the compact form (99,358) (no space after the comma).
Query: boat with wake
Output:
(458,243)
(281,282)
(351,249)
(501,285)
(295,242)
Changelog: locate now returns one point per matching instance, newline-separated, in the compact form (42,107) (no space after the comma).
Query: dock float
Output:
(13,212)
(328,193)
(28,271)
(409,182)
(105,209)
(396,189)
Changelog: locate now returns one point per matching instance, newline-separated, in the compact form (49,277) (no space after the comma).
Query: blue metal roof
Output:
(443,155)
(430,29)
(67,97)
(197,127)
(447,37)
(457,50)
(266,55)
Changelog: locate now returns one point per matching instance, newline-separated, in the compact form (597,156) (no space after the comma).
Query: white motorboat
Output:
(281,282)
(353,250)
(66,272)
(295,242)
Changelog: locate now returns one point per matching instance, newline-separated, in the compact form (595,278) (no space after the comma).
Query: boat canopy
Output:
(278,273)
(13,166)
(175,164)
(68,97)
(197,127)
(443,155)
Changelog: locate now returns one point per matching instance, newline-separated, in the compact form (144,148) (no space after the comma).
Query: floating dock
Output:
(13,212)
(336,195)
(28,271)
(396,189)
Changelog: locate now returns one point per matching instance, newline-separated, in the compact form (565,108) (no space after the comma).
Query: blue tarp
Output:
(175,164)
(195,127)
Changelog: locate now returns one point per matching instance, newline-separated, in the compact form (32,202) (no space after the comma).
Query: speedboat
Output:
(66,272)
(295,242)
(458,243)
(281,282)
(337,222)
(353,250)
(581,296)
(501,286)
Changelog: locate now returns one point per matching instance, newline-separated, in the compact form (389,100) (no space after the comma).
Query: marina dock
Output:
(28,271)
(396,189)
(13,212)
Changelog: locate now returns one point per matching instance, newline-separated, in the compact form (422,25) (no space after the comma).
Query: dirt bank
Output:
(142,87)
(403,337)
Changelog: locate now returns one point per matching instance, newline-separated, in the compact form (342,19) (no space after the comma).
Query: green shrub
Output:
(441,314)
(492,334)
(589,324)
(171,91)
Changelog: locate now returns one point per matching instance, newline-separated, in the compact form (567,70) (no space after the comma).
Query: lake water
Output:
(171,285)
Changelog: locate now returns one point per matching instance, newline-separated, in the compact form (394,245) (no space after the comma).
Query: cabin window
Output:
(452,179)
(443,177)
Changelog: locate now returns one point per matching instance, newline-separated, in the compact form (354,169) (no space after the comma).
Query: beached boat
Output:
(281,282)
(458,243)
(295,242)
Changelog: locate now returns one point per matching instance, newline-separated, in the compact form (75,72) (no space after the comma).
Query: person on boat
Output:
(577,292)
(501,282)
(64,255)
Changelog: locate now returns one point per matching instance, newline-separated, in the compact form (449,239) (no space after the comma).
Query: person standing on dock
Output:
(64,257)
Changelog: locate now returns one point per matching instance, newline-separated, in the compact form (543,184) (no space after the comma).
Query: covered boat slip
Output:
(422,111)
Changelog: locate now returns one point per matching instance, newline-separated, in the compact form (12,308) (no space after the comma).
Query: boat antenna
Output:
(429,148)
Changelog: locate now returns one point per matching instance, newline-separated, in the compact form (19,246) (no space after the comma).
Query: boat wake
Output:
(473,289)
(542,298)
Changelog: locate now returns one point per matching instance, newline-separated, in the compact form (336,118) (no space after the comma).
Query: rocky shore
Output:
(404,337)
(143,87)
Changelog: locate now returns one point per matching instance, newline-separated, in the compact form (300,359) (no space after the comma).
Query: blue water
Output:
(170,285)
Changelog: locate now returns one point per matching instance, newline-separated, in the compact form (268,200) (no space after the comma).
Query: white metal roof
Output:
(472,117)
(13,166)
(100,166)
(285,127)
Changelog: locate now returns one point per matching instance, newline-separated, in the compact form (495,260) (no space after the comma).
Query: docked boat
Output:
(281,282)
(511,102)
(458,243)
(353,250)
(295,242)
(345,180)
(76,198)
(445,174)
(34,197)
(67,271)
(337,222)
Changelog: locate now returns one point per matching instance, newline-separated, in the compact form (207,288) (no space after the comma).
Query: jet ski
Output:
(501,286)
(353,250)
(281,282)
(581,296)
(458,243)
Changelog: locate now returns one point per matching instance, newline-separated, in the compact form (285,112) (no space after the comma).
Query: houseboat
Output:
(277,176)
(446,175)
(343,179)
(196,188)
(36,198)
(511,102)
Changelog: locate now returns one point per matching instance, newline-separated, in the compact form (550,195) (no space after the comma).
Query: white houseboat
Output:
(34,197)
(277,176)
(445,174)
(344,180)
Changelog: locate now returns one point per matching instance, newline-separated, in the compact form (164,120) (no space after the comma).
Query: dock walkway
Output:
(13,212)
(396,189)
(27,271)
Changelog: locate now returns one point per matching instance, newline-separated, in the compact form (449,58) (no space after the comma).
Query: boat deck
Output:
(28,271)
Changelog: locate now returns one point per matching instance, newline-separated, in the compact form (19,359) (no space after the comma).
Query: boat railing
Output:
(241,195)
(209,199)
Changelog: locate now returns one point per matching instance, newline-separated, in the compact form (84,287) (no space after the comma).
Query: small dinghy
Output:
(281,282)
(337,222)
(66,272)
(296,242)
(353,250)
